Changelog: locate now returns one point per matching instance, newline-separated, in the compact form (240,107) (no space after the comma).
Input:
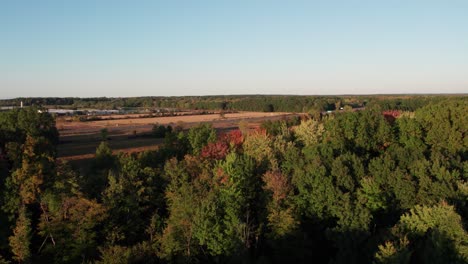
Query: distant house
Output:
(61,112)
(102,112)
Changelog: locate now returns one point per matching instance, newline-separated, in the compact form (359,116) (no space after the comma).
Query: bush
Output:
(160,131)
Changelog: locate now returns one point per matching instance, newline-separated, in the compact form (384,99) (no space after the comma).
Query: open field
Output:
(67,128)
(79,140)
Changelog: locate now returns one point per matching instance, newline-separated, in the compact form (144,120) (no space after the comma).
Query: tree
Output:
(281,217)
(240,196)
(103,164)
(104,134)
(393,252)
(309,132)
(67,222)
(365,132)
(430,235)
(131,196)
(217,150)
(177,240)
(200,136)
(445,124)
(316,193)
(104,158)
(160,131)
(268,108)
(371,195)
(234,139)
(258,146)
(69,226)
(139,253)
(20,241)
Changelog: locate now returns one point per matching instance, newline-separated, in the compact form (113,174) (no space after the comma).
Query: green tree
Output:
(258,145)
(435,235)
(309,132)
(104,134)
(104,158)
(241,199)
(393,252)
(446,124)
(281,216)
(131,196)
(139,253)
(69,226)
(200,136)
(177,241)
(102,165)
(68,222)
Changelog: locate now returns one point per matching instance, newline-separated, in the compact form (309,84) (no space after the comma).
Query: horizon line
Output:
(227,95)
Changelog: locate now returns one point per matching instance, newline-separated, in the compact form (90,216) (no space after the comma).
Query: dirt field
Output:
(79,140)
(67,128)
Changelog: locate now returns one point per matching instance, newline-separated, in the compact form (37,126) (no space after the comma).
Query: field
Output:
(131,133)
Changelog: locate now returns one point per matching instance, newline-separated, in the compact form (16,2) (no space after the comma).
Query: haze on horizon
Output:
(169,48)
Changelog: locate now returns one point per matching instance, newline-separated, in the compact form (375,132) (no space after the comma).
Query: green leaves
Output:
(430,234)
(393,252)
(350,188)
(281,212)
(68,226)
(104,158)
(131,197)
(258,145)
(309,132)
(445,124)
(365,132)
(200,136)
(371,195)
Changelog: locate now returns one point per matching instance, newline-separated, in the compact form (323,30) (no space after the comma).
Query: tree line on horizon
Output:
(265,103)
(373,186)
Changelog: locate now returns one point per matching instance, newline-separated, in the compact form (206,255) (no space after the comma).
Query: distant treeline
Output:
(265,103)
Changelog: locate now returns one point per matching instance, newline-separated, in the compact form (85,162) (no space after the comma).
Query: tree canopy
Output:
(345,187)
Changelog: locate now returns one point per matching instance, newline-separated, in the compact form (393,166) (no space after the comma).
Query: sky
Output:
(115,48)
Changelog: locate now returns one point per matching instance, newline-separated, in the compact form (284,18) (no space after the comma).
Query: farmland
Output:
(132,133)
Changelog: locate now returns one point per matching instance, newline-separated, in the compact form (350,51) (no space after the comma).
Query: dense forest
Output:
(370,186)
(266,103)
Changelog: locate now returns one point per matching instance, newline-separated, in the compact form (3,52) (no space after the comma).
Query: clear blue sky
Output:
(137,48)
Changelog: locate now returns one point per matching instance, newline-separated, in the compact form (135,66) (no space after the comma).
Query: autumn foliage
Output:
(217,150)
(391,115)
(277,184)
(348,187)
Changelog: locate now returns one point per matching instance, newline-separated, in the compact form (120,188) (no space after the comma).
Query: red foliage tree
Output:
(278,184)
(391,115)
(234,138)
(217,150)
